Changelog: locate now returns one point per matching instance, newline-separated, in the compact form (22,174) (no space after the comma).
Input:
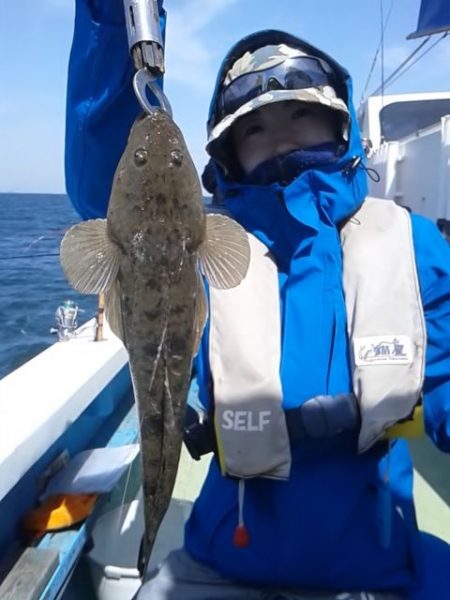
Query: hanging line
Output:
(390,81)
(404,63)
(382,53)
(372,67)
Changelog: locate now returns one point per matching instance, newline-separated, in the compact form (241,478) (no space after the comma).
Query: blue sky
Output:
(35,39)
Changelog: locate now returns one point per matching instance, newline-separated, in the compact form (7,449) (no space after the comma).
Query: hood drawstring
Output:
(241,539)
(355,162)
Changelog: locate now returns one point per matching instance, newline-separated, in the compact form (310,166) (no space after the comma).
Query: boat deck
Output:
(189,480)
(82,400)
(431,490)
(432,494)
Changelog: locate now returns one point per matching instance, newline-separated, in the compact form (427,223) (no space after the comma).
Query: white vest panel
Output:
(385,320)
(244,352)
(386,330)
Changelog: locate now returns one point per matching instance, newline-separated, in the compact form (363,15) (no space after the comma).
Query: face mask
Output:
(285,168)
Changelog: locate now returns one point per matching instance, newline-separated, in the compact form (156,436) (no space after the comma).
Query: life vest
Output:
(386,329)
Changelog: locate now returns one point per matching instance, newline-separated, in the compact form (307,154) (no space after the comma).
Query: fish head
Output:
(156,208)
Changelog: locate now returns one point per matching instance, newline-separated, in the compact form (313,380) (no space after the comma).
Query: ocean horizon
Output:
(32,282)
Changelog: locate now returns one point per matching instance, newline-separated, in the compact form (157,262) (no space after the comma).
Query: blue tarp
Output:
(434,17)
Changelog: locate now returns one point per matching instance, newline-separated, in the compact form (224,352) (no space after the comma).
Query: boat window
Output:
(400,119)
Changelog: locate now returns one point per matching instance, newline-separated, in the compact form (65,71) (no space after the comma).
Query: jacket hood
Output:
(345,177)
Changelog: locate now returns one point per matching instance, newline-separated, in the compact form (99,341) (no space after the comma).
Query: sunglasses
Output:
(292,74)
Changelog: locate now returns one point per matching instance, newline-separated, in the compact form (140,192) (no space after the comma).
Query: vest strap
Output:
(199,437)
(244,353)
(385,320)
(318,417)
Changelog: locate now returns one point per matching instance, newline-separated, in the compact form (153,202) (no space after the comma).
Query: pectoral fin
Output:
(201,313)
(225,254)
(89,259)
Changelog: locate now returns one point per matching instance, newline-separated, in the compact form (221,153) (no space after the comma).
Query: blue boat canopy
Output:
(434,17)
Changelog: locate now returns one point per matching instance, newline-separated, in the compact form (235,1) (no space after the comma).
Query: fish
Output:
(150,258)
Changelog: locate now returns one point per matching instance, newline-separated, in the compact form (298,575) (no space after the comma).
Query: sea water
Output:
(32,284)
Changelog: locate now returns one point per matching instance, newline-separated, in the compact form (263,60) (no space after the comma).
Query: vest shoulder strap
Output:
(244,354)
(385,319)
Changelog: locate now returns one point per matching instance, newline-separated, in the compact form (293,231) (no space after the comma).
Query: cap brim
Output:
(324,96)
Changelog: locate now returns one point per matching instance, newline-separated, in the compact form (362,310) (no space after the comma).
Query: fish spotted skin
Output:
(146,258)
(156,216)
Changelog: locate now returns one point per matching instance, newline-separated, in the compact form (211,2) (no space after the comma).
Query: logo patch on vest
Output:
(383,349)
(246,420)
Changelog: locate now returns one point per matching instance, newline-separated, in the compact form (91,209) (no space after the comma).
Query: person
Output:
(317,365)
(444,227)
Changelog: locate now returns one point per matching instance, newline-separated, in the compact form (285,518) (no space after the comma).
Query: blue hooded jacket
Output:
(320,530)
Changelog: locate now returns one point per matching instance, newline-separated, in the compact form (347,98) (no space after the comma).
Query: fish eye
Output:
(140,157)
(176,158)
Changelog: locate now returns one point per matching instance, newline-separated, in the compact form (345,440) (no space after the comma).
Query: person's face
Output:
(279,128)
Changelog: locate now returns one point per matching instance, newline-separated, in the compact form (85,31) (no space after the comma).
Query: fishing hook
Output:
(142,80)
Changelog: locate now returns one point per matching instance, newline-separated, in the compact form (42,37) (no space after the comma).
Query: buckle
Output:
(199,439)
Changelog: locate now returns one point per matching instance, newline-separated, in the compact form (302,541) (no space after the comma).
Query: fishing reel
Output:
(66,320)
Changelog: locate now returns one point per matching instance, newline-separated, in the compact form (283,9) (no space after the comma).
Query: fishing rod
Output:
(19,256)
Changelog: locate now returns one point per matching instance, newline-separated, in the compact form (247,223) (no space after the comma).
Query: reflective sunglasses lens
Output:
(242,90)
(306,72)
(294,73)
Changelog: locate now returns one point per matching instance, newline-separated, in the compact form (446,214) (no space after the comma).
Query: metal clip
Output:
(147,51)
(143,79)
(144,35)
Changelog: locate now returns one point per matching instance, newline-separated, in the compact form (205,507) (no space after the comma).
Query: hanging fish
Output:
(148,257)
